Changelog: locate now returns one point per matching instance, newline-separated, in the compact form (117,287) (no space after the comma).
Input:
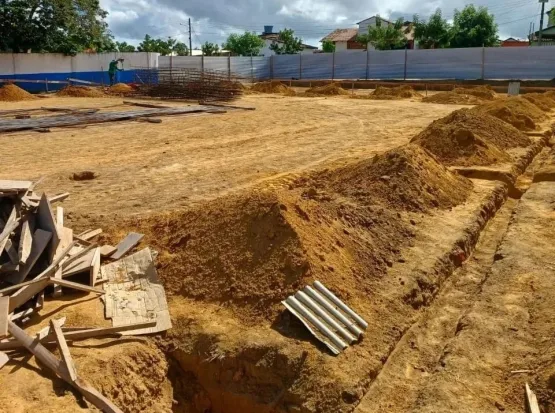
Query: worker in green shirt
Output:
(113,69)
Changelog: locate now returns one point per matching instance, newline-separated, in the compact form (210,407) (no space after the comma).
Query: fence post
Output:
(367,62)
(46,84)
(406,54)
(202,64)
(229,66)
(333,66)
(252,71)
(272,67)
(171,68)
(483,63)
(300,66)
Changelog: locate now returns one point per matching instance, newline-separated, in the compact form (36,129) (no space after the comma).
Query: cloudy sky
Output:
(213,21)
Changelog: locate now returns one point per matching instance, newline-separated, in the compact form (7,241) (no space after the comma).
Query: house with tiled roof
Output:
(346,39)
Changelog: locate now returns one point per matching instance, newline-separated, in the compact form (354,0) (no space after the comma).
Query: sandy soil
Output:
(189,159)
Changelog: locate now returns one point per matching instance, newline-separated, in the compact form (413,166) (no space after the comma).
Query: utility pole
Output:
(541,20)
(190,39)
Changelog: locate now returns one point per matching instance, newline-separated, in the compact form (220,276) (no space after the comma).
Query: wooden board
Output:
(46,222)
(41,240)
(4,315)
(60,216)
(77,286)
(87,235)
(26,239)
(65,242)
(58,198)
(64,349)
(131,240)
(107,250)
(532,400)
(134,293)
(95,268)
(12,252)
(11,225)
(82,264)
(14,186)
(3,359)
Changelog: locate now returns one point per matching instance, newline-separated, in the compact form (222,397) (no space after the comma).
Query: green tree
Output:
(246,44)
(210,49)
(62,26)
(385,36)
(123,47)
(474,27)
(287,43)
(433,34)
(328,46)
(164,47)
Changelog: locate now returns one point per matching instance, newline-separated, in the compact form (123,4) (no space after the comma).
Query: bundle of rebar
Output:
(181,83)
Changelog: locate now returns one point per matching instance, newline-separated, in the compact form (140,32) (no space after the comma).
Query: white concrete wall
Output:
(54,63)
(340,46)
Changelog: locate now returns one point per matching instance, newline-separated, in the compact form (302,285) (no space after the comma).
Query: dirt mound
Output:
(81,92)
(120,88)
(331,89)
(542,100)
(453,98)
(468,138)
(13,93)
(399,92)
(482,92)
(516,111)
(405,178)
(274,86)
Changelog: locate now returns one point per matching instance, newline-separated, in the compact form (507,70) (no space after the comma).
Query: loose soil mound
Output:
(273,86)
(405,178)
(467,138)
(400,92)
(482,92)
(453,98)
(331,89)
(516,111)
(120,88)
(81,92)
(13,93)
(543,101)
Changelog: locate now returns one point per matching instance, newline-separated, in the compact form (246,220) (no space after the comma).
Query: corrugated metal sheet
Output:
(386,64)
(328,318)
(444,63)
(532,63)
(317,66)
(350,65)
(287,66)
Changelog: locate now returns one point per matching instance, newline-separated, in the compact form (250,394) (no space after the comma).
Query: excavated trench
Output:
(220,362)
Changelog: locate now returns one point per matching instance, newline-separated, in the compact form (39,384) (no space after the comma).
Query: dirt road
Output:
(189,159)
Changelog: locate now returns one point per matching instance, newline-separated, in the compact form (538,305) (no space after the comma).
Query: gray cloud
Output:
(213,21)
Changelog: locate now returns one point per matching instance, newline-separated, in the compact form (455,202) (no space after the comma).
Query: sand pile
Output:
(516,111)
(483,92)
(405,178)
(542,100)
(81,92)
(453,98)
(400,92)
(120,89)
(331,89)
(468,138)
(13,93)
(273,86)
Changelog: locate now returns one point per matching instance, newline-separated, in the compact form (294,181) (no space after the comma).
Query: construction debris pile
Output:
(179,83)
(13,93)
(39,255)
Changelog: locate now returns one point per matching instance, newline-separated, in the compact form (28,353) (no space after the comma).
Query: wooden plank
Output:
(12,252)
(7,290)
(4,315)
(59,368)
(26,293)
(82,264)
(64,349)
(145,105)
(76,286)
(26,238)
(9,267)
(3,359)
(14,186)
(11,225)
(46,222)
(67,239)
(107,250)
(59,197)
(40,242)
(532,400)
(60,216)
(87,235)
(85,334)
(95,268)
(130,241)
